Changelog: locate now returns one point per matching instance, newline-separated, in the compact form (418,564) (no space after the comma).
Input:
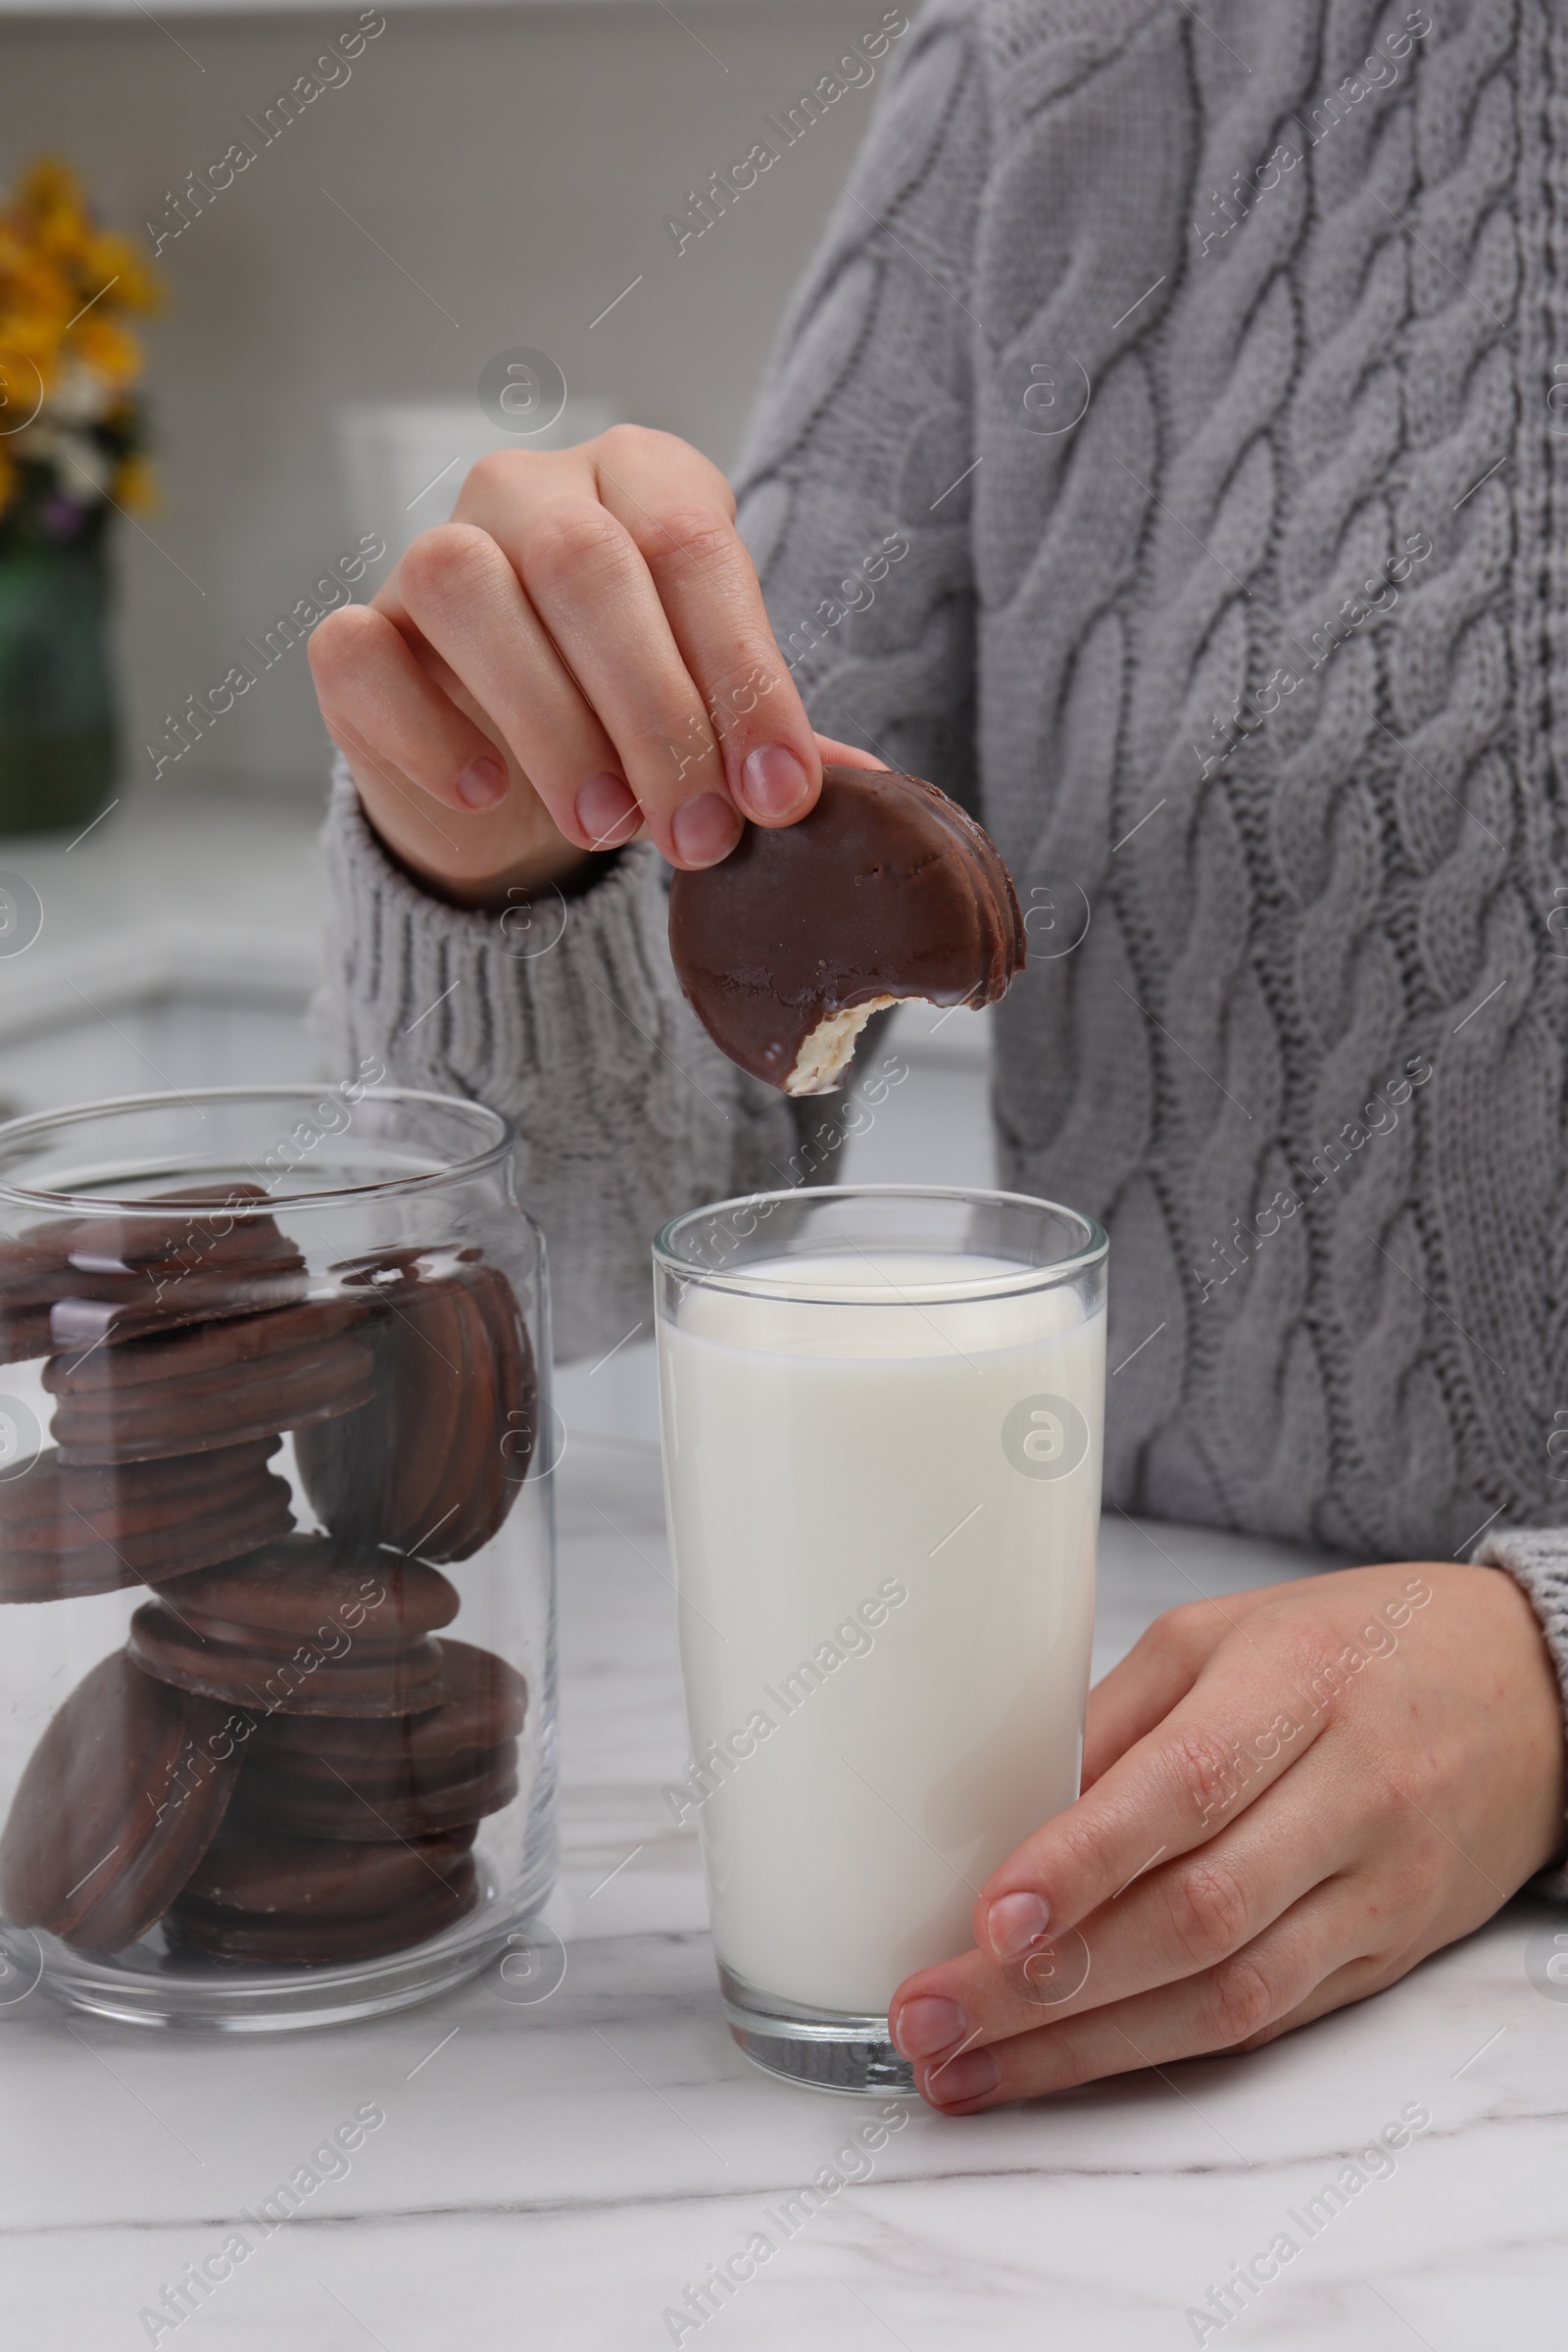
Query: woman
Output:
(1160,454)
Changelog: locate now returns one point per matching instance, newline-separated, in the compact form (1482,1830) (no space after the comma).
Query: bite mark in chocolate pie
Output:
(887,889)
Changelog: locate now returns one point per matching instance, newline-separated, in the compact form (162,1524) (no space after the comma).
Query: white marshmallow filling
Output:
(827,1053)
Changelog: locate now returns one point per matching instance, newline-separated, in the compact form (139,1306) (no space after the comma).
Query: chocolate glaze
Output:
(307,1627)
(888,889)
(296,1674)
(405,1777)
(120,1800)
(433,1463)
(287,1940)
(303,1901)
(485,1702)
(365,1810)
(294,1586)
(119,1276)
(215,1383)
(66,1532)
(302,1672)
(250,1871)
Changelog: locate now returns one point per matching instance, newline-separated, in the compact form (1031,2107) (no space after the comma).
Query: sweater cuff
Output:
(1537,1559)
(493,993)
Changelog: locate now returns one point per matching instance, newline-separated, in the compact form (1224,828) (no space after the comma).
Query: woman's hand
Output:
(1291,1797)
(579,654)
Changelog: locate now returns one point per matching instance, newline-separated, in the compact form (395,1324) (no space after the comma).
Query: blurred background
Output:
(272,383)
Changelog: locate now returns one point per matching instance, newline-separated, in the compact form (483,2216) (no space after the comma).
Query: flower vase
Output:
(58,746)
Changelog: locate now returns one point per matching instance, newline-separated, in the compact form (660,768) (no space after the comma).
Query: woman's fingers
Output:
(465,600)
(681,512)
(1222,2008)
(651,602)
(1178,1919)
(373,693)
(1368,1972)
(1141,1689)
(389,713)
(582,654)
(847,755)
(1159,1669)
(1208,1944)
(1216,1751)
(584,577)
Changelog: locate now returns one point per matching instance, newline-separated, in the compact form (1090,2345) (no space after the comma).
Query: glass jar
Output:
(276,1553)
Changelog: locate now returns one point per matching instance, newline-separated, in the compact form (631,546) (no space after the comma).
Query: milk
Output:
(887,1598)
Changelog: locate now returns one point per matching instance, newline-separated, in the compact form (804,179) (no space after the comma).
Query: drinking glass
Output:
(882,1414)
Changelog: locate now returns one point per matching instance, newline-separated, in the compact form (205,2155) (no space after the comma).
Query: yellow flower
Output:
(49,186)
(134,286)
(106,347)
(136,486)
(66,287)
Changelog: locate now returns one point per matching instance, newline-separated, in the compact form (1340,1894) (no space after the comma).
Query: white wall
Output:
(517,163)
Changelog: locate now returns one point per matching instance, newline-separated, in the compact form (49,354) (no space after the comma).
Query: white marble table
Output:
(548,2177)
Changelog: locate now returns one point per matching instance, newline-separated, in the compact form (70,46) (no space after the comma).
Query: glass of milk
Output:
(882,1413)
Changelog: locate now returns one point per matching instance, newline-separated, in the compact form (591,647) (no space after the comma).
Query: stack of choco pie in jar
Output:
(287,1762)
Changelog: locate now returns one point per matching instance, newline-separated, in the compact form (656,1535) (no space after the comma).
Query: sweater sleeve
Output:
(566,1016)
(1537,1559)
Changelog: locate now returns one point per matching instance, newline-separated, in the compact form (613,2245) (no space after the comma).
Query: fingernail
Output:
(929,2024)
(1014,1922)
(603,806)
(483,782)
(967,2077)
(706,829)
(772,782)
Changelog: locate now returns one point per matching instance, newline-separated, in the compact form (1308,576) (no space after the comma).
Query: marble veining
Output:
(556,2174)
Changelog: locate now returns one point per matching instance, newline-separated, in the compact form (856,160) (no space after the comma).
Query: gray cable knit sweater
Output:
(1209,369)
